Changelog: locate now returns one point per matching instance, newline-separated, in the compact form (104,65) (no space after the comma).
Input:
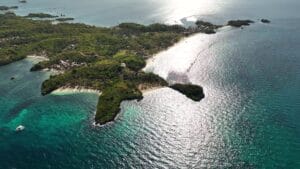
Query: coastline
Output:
(40,58)
(106,71)
(148,90)
(179,48)
(150,60)
(181,45)
(71,90)
(37,57)
(145,88)
(78,89)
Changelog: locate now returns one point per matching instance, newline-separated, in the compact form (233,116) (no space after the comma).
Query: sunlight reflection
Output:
(176,10)
(180,57)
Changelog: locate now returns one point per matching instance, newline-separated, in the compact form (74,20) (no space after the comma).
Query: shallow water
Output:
(249,118)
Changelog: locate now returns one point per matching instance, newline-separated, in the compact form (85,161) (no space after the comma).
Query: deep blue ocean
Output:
(249,118)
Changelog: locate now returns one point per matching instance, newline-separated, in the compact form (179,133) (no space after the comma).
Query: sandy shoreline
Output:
(145,91)
(69,90)
(37,57)
(145,88)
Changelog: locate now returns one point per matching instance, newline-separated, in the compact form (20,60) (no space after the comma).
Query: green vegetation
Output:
(131,60)
(193,92)
(239,23)
(111,98)
(40,15)
(105,59)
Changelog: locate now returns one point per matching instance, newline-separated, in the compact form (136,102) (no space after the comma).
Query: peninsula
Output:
(109,60)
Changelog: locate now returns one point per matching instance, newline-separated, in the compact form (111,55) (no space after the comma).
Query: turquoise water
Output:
(249,118)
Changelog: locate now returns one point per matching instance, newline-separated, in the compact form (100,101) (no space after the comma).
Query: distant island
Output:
(109,60)
(64,19)
(5,8)
(40,15)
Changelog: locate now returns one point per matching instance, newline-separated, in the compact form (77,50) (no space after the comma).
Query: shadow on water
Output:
(19,107)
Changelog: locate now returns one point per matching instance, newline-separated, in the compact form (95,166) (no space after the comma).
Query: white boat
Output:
(20,128)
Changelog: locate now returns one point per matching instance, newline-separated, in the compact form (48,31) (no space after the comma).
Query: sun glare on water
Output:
(176,10)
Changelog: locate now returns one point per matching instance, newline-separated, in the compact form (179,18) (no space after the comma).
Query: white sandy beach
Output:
(69,90)
(37,57)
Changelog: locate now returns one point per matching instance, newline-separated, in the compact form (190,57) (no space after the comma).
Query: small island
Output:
(64,19)
(40,15)
(5,8)
(106,59)
(207,27)
(265,21)
(239,23)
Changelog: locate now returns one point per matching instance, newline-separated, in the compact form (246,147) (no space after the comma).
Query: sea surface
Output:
(248,119)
